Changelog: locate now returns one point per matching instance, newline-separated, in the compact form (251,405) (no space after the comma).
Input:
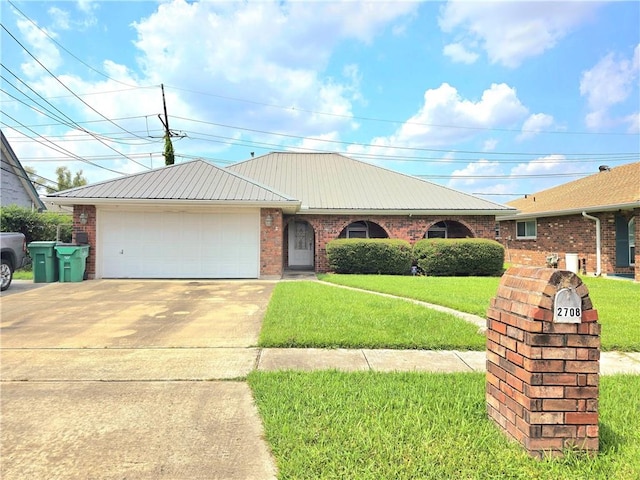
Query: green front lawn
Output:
(368,425)
(617,301)
(24,274)
(310,314)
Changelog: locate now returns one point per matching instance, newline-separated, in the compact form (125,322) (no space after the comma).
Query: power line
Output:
(400,122)
(29,179)
(411,149)
(66,50)
(59,149)
(65,86)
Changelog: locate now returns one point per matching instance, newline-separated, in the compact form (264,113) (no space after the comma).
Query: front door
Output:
(300,244)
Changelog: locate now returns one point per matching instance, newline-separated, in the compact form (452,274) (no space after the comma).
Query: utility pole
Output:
(169,157)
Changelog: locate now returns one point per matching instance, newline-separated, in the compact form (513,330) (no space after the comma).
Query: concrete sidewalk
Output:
(443,361)
(205,364)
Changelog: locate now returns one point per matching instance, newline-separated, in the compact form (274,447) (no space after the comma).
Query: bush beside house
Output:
(459,257)
(366,256)
(34,225)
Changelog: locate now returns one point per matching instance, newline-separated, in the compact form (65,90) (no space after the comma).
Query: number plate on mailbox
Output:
(567,306)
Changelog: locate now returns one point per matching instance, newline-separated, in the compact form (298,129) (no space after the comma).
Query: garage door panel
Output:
(180,245)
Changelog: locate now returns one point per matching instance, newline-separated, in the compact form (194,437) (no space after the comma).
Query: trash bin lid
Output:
(41,244)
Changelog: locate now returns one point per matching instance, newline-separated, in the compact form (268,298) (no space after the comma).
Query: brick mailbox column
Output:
(543,352)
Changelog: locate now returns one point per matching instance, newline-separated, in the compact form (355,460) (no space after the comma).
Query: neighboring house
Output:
(595,218)
(15,186)
(260,217)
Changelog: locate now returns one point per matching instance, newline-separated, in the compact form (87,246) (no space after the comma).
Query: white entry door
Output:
(300,244)
(188,244)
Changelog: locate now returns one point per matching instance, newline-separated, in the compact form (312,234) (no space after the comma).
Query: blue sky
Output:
(498,99)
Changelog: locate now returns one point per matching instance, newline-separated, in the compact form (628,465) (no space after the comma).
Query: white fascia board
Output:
(572,211)
(286,206)
(407,213)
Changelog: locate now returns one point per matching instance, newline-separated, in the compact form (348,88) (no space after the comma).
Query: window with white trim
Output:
(632,241)
(526,229)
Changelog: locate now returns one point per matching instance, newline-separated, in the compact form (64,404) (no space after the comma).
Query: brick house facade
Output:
(273,237)
(409,228)
(578,236)
(237,222)
(612,196)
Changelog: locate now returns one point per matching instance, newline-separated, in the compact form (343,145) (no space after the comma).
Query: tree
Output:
(65,181)
(168,150)
(35,179)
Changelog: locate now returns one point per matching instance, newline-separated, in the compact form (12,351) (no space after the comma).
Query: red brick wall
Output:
(326,228)
(542,377)
(412,229)
(90,229)
(271,243)
(567,234)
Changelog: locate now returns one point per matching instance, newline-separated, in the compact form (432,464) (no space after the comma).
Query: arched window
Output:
(439,230)
(448,229)
(363,229)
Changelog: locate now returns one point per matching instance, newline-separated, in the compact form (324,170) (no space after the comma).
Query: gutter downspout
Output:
(598,243)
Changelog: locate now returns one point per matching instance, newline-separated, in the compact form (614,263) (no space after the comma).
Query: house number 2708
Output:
(567,306)
(568,312)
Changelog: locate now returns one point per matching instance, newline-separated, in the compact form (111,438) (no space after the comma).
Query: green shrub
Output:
(34,225)
(366,256)
(459,257)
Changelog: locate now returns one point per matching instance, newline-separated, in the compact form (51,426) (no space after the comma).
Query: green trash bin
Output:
(71,262)
(45,263)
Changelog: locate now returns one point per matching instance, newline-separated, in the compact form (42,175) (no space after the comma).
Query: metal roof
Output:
(190,181)
(334,182)
(609,189)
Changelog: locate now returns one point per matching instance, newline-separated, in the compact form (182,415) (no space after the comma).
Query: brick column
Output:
(543,375)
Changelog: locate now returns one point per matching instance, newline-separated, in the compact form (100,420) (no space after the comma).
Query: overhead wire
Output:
(397,122)
(59,149)
(35,24)
(31,180)
(575,157)
(73,93)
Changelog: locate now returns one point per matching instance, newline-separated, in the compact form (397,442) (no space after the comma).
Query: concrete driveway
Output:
(126,379)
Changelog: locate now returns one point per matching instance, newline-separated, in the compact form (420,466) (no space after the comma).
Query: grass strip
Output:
(466,294)
(617,301)
(368,425)
(310,314)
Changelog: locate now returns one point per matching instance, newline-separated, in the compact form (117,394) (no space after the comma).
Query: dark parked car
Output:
(14,256)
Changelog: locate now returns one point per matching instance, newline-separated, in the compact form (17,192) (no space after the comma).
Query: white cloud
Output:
(468,176)
(611,81)
(633,121)
(511,32)
(535,124)
(447,118)
(541,166)
(60,18)
(458,53)
(41,47)
(505,180)
(277,51)
(490,145)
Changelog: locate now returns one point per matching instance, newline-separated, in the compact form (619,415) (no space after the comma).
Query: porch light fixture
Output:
(83,218)
(268,221)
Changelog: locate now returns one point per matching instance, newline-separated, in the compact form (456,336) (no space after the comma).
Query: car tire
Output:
(6,272)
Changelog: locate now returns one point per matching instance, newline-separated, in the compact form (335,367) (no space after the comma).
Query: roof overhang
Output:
(572,211)
(409,213)
(289,207)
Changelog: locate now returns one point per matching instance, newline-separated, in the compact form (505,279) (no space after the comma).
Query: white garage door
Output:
(179,244)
